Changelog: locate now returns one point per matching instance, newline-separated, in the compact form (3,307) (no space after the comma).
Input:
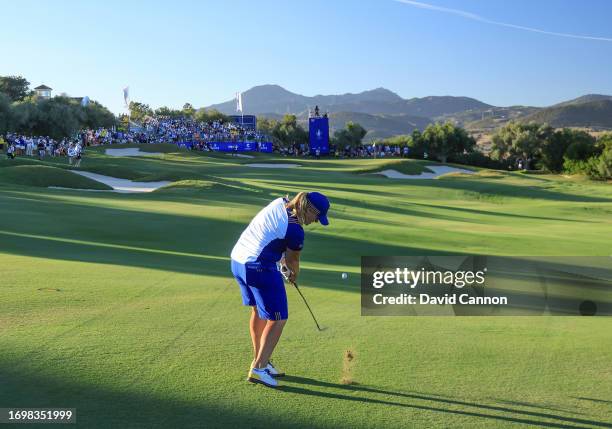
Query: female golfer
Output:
(275,230)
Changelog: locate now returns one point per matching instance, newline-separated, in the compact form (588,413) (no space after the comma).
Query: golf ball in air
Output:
(344,276)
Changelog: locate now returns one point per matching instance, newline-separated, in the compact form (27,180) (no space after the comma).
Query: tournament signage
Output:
(318,128)
(235,146)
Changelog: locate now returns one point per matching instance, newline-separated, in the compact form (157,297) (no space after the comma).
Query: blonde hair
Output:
(298,206)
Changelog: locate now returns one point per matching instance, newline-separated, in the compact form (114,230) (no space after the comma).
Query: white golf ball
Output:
(344,276)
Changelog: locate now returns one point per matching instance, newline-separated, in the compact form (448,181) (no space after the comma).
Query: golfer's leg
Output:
(269,339)
(257,327)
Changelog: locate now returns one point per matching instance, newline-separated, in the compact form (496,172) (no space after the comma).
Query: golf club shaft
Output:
(307,306)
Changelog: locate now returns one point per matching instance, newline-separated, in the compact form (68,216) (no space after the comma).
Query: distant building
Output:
(43,91)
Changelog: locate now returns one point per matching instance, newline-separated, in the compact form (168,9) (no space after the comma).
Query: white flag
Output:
(239,101)
(126,96)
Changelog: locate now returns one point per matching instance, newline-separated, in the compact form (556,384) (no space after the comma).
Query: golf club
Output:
(285,271)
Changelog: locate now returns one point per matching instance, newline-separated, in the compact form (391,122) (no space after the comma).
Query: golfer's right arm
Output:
(292,259)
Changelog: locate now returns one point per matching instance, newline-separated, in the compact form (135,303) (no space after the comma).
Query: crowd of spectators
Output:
(178,131)
(370,150)
(41,147)
(175,130)
(71,148)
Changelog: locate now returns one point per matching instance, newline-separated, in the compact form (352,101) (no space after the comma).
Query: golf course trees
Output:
(96,115)
(351,135)
(602,166)
(416,144)
(139,110)
(288,132)
(15,87)
(557,144)
(565,150)
(516,140)
(5,113)
(188,110)
(58,117)
(591,157)
(165,111)
(55,117)
(209,115)
(266,125)
(442,141)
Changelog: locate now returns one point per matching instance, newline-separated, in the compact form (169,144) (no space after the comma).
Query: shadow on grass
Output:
(603,401)
(106,407)
(52,227)
(99,407)
(476,188)
(542,407)
(516,415)
(481,186)
(501,213)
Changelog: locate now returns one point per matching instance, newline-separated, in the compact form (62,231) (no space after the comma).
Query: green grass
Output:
(44,176)
(147,329)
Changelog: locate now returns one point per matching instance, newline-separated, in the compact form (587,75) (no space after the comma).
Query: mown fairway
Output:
(147,328)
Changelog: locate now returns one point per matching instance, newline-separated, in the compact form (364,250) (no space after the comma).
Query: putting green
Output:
(123,307)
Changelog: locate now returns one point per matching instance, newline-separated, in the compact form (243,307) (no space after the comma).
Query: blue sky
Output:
(202,52)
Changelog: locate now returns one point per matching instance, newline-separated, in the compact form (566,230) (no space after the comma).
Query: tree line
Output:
(139,111)
(536,146)
(564,150)
(21,111)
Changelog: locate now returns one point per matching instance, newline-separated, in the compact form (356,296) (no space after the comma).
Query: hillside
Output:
(266,99)
(275,99)
(584,99)
(594,114)
(384,113)
(379,126)
(435,106)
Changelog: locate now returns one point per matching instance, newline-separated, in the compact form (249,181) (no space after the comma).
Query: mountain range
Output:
(384,113)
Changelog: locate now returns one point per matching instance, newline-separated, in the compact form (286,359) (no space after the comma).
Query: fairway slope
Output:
(112,303)
(45,176)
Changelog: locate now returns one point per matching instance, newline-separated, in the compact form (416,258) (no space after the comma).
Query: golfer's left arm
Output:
(292,259)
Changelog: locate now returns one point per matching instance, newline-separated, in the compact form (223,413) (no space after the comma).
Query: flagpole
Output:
(126,96)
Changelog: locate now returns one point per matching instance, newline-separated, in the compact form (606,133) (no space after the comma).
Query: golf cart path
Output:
(123,185)
(438,170)
(131,151)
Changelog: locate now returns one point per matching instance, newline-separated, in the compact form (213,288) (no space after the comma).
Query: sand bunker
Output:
(272,165)
(132,151)
(240,155)
(123,185)
(438,170)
